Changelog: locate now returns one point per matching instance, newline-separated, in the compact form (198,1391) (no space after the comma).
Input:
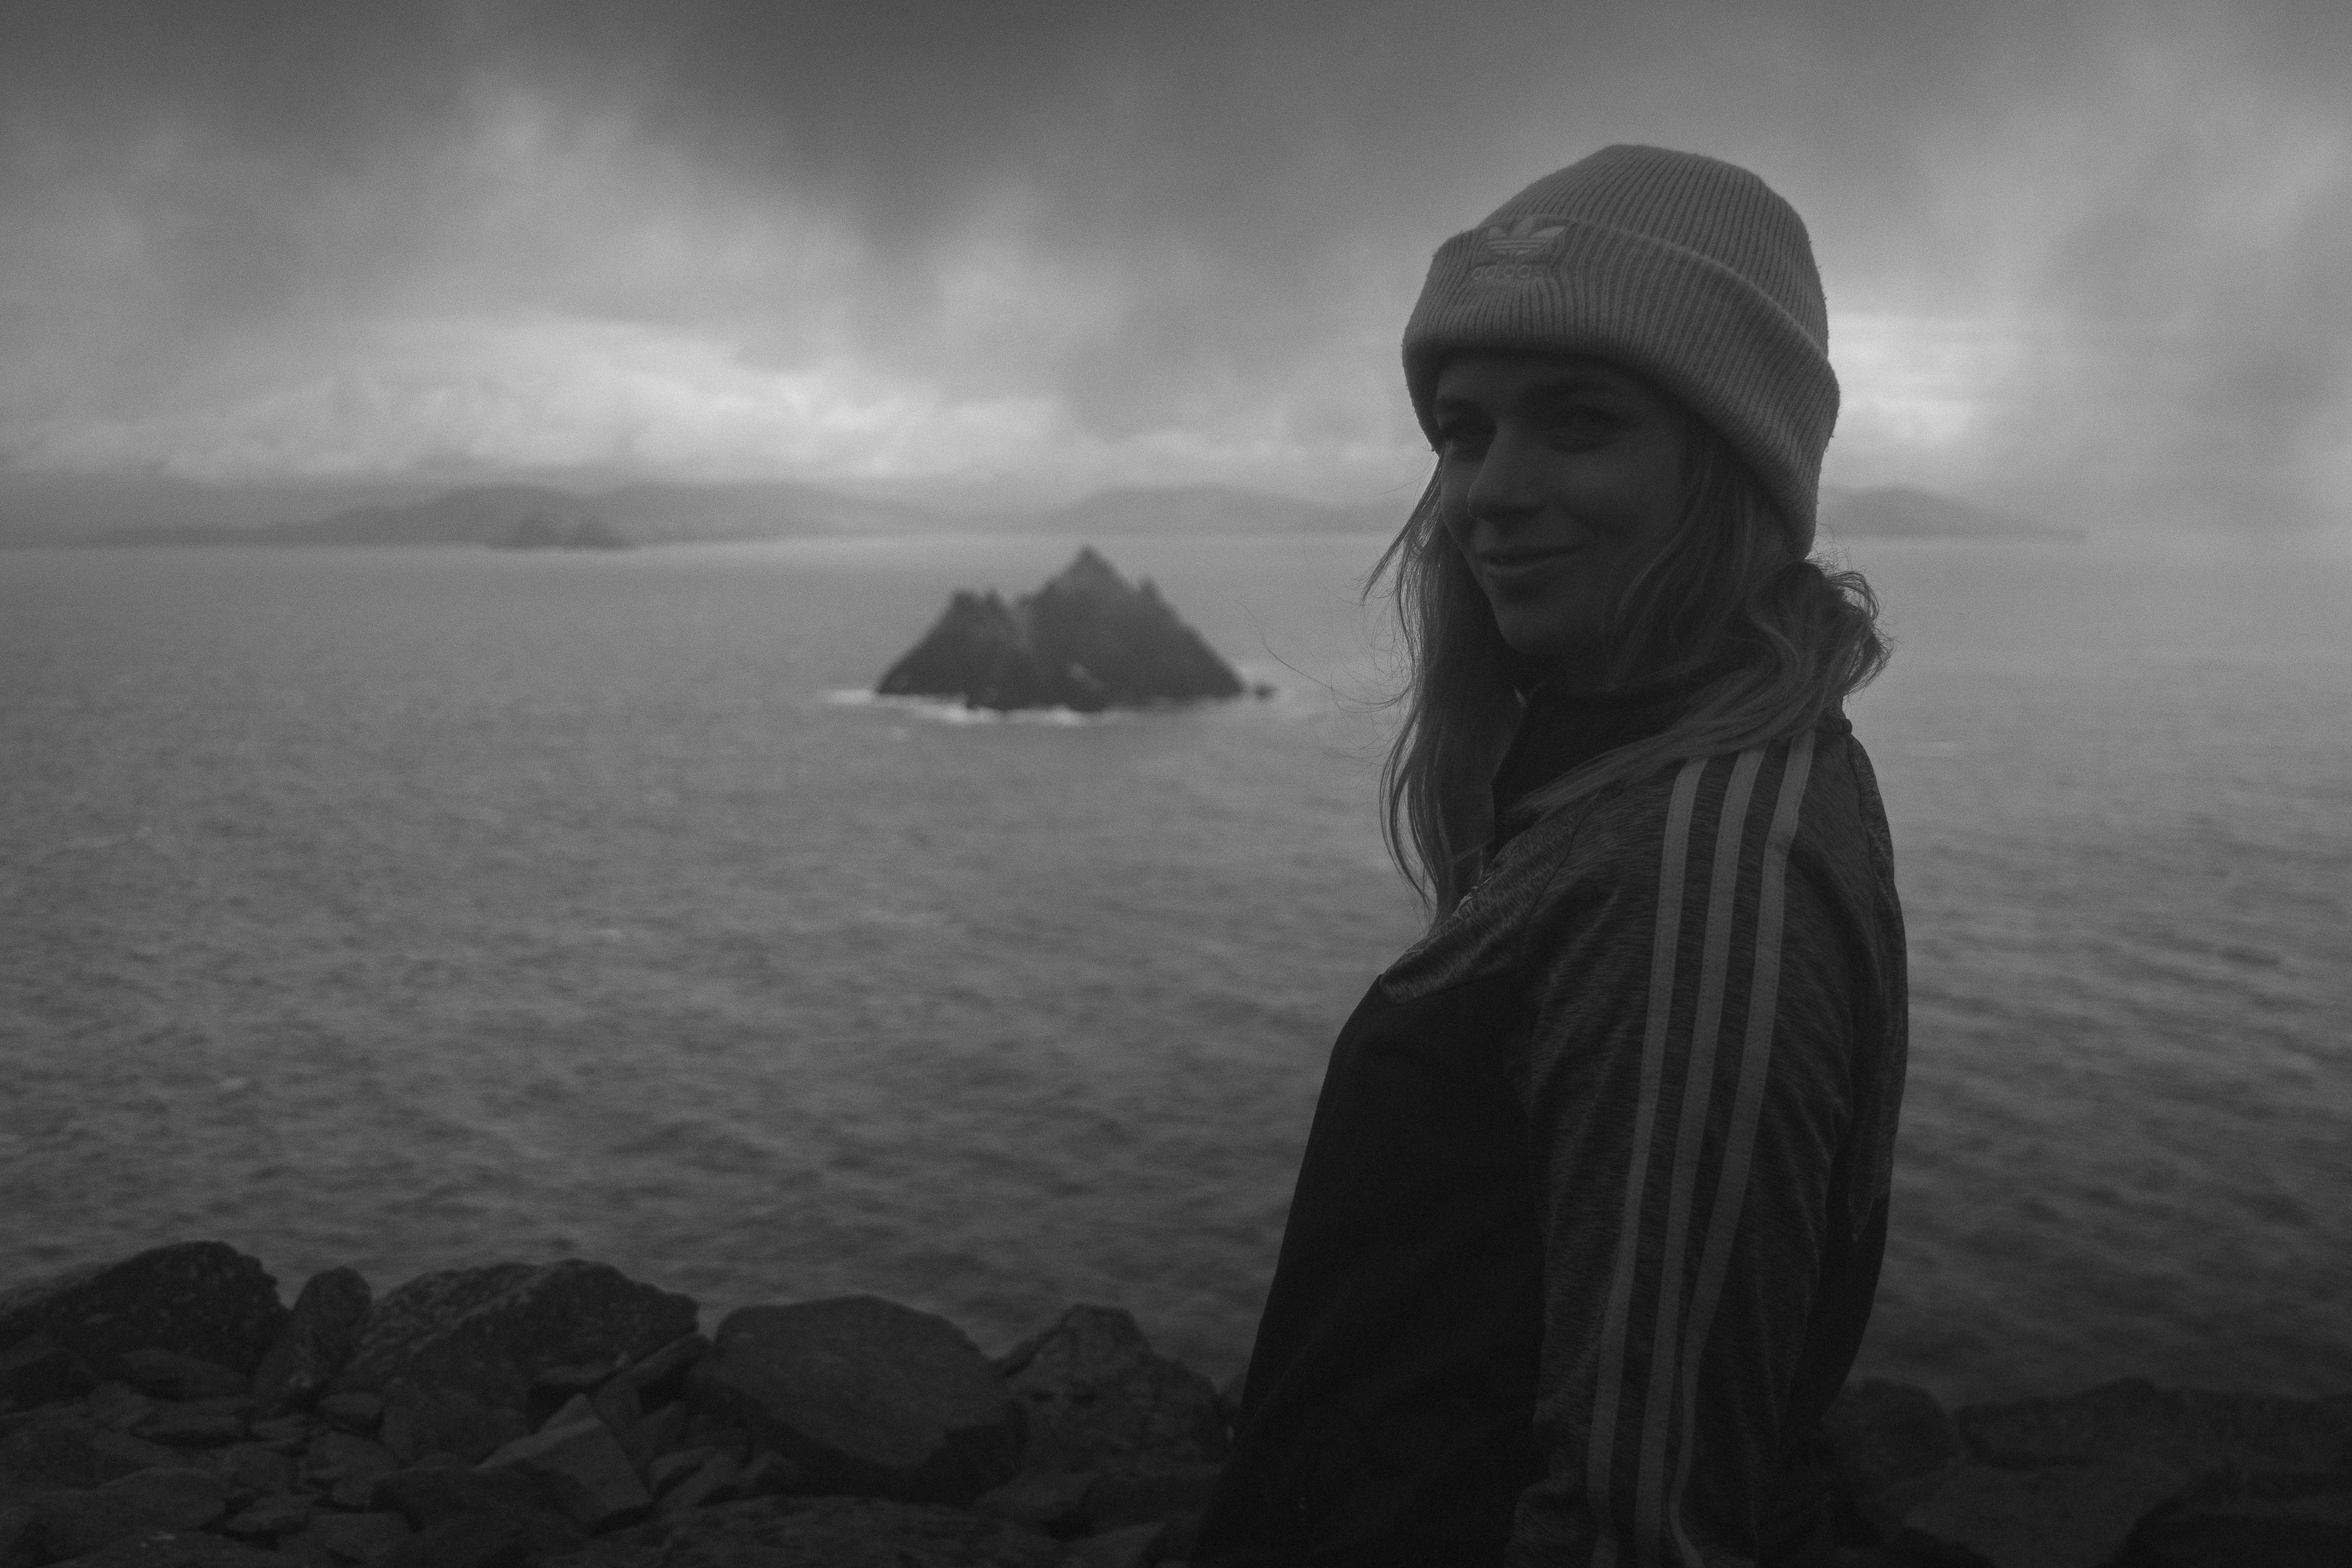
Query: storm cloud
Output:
(2091,260)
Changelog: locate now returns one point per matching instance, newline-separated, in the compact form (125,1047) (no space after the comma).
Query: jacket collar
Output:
(1562,727)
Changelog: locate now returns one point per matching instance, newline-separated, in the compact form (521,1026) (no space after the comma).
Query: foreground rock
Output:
(1118,1436)
(318,1338)
(2239,1525)
(864,1395)
(822,1532)
(181,1549)
(1895,1447)
(2052,1516)
(496,1331)
(576,1461)
(2125,1475)
(528,1415)
(1086,640)
(2202,1434)
(490,1513)
(201,1299)
(76,1522)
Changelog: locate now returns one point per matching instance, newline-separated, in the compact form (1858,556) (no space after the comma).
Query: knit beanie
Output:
(1686,270)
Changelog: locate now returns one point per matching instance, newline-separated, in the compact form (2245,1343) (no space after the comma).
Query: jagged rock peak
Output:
(1088,573)
(1086,640)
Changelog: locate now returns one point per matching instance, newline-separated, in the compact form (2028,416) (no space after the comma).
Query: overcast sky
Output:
(2084,256)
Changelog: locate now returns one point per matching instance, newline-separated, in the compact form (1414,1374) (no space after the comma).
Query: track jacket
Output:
(1592,1210)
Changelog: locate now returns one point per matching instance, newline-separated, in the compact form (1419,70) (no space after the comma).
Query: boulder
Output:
(1129,1546)
(732,1441)
(1050,1500)
(467,1540)
(429,1496)
(2053,1516)
(280,1513)
(821,1532)
(196,1424)
(81,1520)
(249,1470)
(617,1405)
(1893,1444)
(2200,1435)
(1115,1501)
(201,1299)
(358,1537)
(119,1405)
(62,1447)
(1179,1538)
(661,1376)
(579,1408)
(655,1435)
(668,1470)
(492,1331)
(865,1395)
(2245,1521)
(717,1480)
(318,1338)
(347,1465)
(284,1433)
(361,1412)
(179,1548)
(770,1475)
(39,1371)
(1099,1398)
(417,1421)
(168,1374)
(579,1464)
(1086,640)
(20,1537)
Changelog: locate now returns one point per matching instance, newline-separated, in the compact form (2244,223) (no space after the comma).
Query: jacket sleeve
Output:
(1686,1074)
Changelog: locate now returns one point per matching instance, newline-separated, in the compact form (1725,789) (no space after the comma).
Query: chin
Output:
(1546,641)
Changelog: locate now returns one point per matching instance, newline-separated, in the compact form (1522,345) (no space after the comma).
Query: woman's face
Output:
(1559,478)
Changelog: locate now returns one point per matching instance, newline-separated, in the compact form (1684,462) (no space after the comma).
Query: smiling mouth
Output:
(1509,565)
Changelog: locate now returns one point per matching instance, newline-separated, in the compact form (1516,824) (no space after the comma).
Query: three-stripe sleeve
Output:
(1686,1087)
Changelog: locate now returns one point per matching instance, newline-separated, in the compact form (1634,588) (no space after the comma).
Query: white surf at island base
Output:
(413,908)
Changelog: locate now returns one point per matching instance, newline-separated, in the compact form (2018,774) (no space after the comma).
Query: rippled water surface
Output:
(407,909)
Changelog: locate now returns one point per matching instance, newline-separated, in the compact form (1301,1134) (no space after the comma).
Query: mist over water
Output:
(414,909)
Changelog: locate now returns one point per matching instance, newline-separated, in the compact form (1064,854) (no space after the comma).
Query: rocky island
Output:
(540,531)
(1088,640)
(169,1410)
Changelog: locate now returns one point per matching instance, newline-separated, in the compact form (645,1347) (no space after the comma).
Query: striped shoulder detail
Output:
(1707,1042)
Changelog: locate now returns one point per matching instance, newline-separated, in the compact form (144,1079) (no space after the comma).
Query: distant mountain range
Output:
(1899,511)
(678,513)
(526,515)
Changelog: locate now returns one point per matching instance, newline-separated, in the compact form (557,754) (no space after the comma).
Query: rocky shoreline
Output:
(169,1410)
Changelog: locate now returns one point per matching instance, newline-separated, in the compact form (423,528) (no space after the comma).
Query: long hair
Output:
(1775,640)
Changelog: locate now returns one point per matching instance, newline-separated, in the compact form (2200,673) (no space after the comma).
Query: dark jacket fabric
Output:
(1593,1204)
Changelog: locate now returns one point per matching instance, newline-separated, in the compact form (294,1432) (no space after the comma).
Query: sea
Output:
(413,908)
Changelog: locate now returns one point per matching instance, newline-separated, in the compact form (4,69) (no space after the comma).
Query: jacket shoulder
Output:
(1813,791)
(1808,798)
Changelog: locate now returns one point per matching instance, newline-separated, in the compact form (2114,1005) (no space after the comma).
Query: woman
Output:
(1592,1208)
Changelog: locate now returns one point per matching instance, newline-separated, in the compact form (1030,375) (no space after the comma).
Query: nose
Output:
(1504,490)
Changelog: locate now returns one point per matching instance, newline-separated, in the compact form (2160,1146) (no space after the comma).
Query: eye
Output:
(1460,436)
(1582,425)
